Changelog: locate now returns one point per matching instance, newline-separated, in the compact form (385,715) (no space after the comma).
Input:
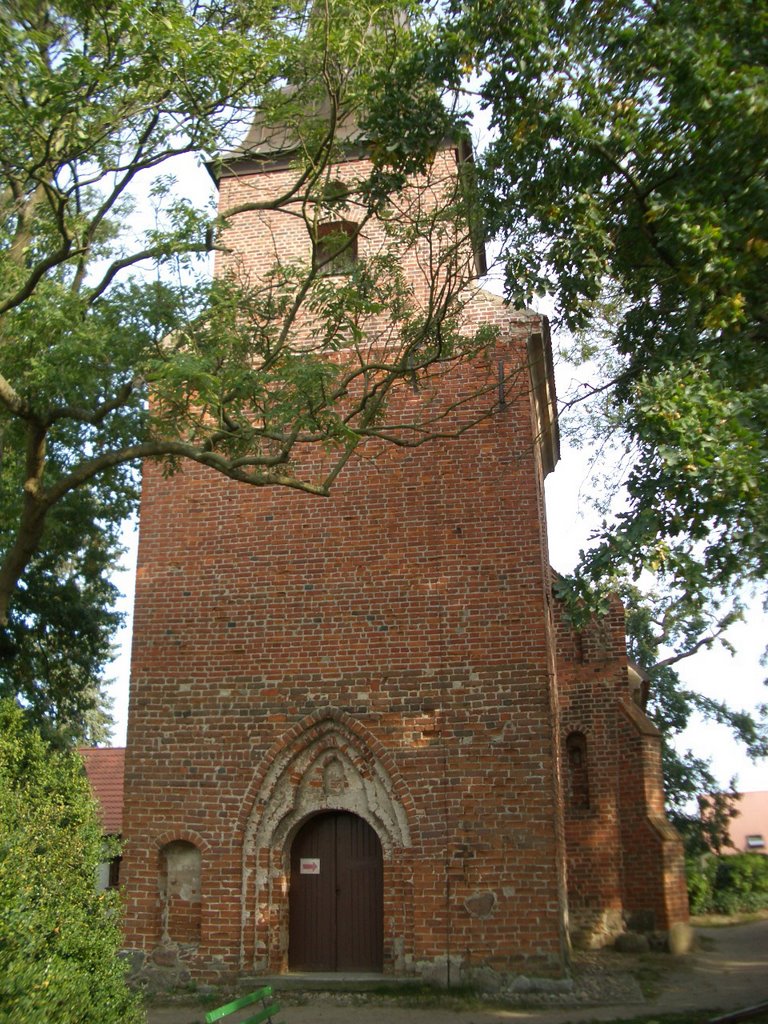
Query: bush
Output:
(728,885)
(700,872)
(59,937)
(742,883)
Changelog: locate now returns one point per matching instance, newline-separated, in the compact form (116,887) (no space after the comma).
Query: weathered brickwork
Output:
(625,861)
(388,652)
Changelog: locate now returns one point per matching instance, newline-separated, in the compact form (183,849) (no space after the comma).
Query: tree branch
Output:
(705,641)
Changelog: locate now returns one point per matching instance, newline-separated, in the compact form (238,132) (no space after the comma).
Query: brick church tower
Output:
(361,735)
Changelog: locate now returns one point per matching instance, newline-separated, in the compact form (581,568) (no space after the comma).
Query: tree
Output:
(96,315)
(62,623)
(709,830)
(59,937)
(627,176)
(654,624)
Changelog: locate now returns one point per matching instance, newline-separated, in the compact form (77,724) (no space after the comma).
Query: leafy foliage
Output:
(728,885)
(627,171)
(625,175)
(101,307)
(61,625)
(657,622)
(59,937)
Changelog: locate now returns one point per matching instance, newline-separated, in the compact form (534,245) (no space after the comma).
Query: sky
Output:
(737,679)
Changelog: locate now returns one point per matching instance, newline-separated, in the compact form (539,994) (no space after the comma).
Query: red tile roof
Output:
(105,767)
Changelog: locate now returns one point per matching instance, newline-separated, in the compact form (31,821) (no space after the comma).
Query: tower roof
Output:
(272,140)
(272,143)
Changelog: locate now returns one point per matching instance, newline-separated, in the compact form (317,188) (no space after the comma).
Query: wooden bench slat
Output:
(238,1004)
(265,1013)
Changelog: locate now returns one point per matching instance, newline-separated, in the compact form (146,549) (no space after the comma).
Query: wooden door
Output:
(336,896)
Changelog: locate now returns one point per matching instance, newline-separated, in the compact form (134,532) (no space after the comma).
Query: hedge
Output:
(728,885)
(59,937)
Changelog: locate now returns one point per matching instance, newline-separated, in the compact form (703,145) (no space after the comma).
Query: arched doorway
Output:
(336,895)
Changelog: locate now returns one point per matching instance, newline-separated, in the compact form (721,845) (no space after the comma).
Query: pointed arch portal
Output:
(336,895)
(330,771)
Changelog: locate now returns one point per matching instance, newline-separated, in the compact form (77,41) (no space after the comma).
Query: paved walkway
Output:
(728,970)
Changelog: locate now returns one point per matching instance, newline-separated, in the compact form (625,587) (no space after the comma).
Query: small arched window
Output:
(179,885)
(578,769)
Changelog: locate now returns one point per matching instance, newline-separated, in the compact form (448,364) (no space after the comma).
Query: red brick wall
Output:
(399,631)
(411,605)
(258,240)
(625,861)
(655,891)
(591,675)
(401,624)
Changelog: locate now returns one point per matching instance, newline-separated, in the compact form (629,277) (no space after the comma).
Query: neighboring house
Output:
(749,828)
(363,736)
(105,768)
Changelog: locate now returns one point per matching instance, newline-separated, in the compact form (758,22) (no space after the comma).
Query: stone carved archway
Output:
(328,762)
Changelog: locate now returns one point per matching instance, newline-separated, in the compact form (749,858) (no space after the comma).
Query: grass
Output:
(423,993)
(726,920)
(466,998)
(650,971)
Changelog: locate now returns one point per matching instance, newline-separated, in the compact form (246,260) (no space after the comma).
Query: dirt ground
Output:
(728,969)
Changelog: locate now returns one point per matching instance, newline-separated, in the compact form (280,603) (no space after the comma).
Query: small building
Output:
(105,768)
(749,827)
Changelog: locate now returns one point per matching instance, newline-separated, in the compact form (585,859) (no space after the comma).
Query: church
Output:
(363,736)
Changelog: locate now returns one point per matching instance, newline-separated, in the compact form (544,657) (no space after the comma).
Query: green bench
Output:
(264,1014)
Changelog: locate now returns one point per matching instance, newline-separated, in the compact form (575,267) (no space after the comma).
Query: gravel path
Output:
(728,969)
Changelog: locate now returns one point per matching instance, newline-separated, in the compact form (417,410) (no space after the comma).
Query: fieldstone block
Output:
(632,942)
(680,938)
